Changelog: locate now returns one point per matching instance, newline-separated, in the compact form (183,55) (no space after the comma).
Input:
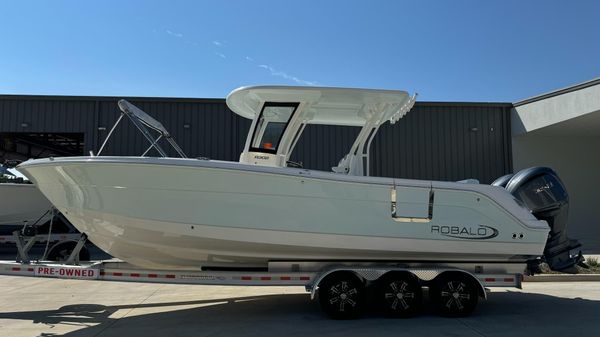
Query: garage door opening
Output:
(21,146)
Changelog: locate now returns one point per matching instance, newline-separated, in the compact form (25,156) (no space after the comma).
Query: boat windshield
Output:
(271,125)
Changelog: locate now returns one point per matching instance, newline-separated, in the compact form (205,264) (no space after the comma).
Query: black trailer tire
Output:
(342,295)
(454,294)
(62,251)
(399,294)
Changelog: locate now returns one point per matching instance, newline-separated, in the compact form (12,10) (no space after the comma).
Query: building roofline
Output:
(442,103)
(110,98)
(202,100)
(559,92)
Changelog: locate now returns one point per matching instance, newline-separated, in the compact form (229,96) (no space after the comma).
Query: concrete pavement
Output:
(45,307)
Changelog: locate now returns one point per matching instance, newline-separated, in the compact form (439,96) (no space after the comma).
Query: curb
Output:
(563,278)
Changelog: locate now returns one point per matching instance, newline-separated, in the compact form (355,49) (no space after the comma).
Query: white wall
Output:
(554,110)
(577,162)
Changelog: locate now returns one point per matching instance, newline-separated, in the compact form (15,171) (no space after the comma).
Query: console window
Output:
(271,125)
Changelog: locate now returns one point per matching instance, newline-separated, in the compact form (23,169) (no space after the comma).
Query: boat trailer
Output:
(340,287)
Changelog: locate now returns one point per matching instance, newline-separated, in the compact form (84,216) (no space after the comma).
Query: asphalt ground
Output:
(48,307)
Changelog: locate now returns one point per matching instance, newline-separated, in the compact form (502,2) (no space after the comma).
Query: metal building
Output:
(440,141)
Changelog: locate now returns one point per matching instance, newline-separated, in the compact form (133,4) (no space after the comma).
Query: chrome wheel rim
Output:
(455,294)
(399,295)
(343,295)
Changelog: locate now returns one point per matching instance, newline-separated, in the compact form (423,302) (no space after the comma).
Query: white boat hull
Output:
(182,213)
(21,203)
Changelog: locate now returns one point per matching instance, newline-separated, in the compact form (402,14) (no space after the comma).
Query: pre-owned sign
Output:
(67,272)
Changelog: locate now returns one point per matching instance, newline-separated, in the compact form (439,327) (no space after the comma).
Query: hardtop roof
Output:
(322,105)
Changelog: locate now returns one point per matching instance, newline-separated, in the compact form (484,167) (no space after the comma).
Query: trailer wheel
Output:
(399,294)
(62,251)
(342,295)
(454,294)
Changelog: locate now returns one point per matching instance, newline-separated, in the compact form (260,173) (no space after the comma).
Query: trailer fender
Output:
(481,287)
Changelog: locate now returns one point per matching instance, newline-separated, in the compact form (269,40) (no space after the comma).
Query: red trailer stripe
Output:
(117,274)
(246,278)
(510,279)
(169,276)
(304,278)
(489,279)
(285,278)
(134,275)
(265,278)
(152,275)
(16,269)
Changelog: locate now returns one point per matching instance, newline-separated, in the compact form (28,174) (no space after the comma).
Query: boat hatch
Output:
(412,204)
(279,115)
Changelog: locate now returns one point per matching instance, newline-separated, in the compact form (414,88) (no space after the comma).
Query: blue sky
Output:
(445,50)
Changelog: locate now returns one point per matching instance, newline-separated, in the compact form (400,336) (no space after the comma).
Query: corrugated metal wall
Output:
(441,141)
(444,141)
(45,115)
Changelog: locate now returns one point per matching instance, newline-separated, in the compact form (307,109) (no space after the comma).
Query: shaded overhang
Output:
(572,111)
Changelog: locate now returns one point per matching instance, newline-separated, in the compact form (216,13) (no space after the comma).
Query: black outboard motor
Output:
(542,191)
(502,181)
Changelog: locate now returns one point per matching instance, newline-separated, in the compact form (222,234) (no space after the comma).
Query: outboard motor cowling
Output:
(542,191)
(502,181)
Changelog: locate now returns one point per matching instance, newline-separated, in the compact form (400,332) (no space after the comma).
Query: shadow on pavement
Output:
(503,314)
